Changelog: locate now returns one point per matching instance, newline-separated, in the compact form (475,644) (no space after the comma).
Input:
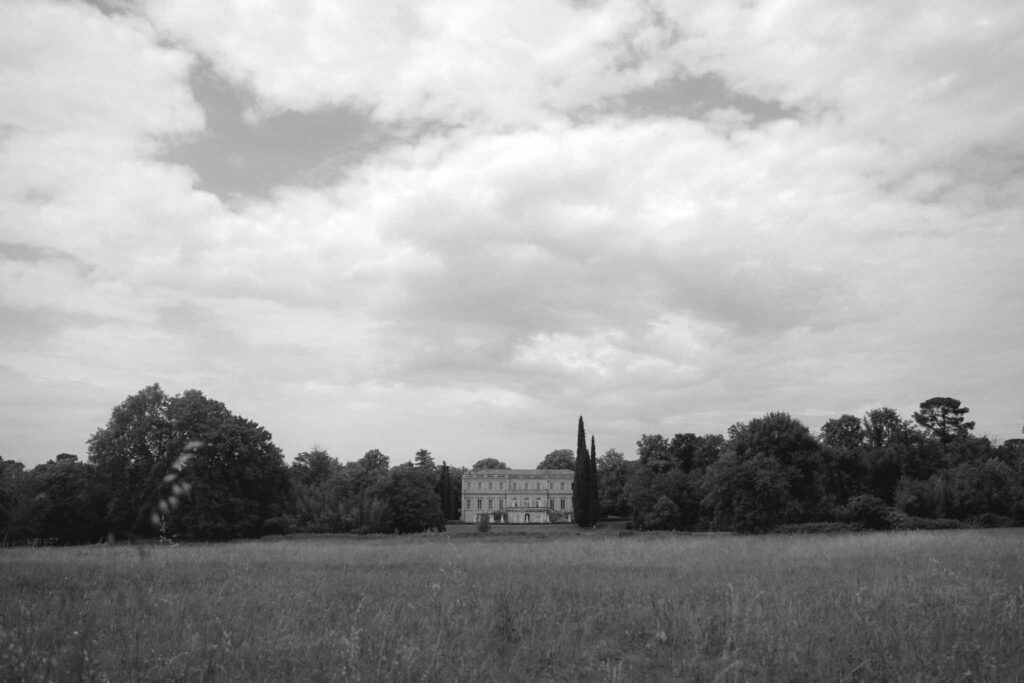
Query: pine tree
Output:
(593,504)
(424,459)
(581,480)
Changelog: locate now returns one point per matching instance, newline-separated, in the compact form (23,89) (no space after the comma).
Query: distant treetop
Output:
(490,464)
(561,459)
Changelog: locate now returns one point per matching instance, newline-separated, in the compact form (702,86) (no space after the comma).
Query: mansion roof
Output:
(519,474)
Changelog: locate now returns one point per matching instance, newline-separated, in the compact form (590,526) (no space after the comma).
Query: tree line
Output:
(877,471)
(185,466)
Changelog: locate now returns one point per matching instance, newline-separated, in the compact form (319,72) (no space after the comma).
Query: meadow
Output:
(943,605)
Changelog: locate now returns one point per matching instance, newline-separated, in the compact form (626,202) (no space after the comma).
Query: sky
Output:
(459,226)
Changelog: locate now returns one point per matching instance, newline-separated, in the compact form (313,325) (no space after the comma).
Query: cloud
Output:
(483,63)
(67,66)
(927,82)
(520,245)
(619,221)
(88,98)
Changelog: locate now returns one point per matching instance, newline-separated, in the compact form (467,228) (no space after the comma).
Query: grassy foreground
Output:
(448,607)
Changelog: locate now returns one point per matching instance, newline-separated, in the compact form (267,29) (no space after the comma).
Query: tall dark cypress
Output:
(581,479)
(445,490)
(594,504)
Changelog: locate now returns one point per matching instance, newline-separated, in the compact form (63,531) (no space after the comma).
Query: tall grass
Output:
(915,605)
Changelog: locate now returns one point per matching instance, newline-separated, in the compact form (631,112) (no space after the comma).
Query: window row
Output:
(515,503)
(512,486)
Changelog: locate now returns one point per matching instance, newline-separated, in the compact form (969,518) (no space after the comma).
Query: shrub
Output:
(817,528)
(483,523)
(278,526)
(664,514)
(989,520)
(904,522)
(869,511)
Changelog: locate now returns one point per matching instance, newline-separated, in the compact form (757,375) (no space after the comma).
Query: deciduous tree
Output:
(746,494)
(313,466)
(65,504)
(654,451)
(885,427)
(313,477)
(561,459)
(490,464)
(18,521)
(788,442)
(375,461)
(613,471)
(413,500)
(845,431)
(664,514)
(238,477)
(131,454)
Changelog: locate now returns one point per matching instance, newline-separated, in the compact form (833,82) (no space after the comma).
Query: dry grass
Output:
(899,606)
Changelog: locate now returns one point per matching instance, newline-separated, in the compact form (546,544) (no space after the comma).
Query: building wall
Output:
(517,496)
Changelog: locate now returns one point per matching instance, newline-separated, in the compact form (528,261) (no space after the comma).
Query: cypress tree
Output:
(581,480)
(593,503)
(445,491)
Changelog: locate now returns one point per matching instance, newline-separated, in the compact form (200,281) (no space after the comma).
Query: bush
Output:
(989,520)
(278,526)
(664,514)
(483,523)
(817,528)
(904,522)
(869,511)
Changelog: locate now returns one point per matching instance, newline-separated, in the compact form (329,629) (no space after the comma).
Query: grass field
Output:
(522,606)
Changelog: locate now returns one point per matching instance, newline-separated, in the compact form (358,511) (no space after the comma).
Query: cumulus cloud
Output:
(927,83)
(67,66)
(518,248)
(463,64)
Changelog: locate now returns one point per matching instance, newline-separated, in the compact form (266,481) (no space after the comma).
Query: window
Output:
(562,503)
(479,503)
(490,503)
(551,503)
(538,503)
(501,486)
(563,485)
(501,502)
(469,504)
(479,485)
(513,486)
(515,502)
(490,485)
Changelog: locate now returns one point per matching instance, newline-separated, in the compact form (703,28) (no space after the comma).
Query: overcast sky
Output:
(460,225)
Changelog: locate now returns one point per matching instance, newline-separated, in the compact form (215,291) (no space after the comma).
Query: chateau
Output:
(517,496)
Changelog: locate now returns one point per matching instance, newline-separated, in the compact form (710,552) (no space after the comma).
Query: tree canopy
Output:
(845,431)
(424,459)
(944,418)
(413,499)
(237,478)
(187,465)
(489,464)
(561,459)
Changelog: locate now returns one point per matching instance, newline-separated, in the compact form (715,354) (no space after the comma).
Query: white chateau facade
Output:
(517,496)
